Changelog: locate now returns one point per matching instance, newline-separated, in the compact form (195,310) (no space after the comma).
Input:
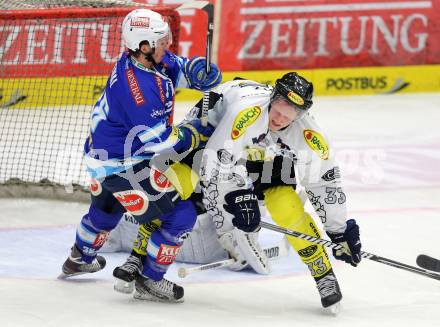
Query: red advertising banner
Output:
(60,48)
(251,34)
(272,34)
(67,42)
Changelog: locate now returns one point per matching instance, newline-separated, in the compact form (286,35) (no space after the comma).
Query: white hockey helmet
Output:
(143,25)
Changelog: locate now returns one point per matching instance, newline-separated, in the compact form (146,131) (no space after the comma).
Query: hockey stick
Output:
(365,255)
(209,9)
(272,253)
(428,262)
(183,272)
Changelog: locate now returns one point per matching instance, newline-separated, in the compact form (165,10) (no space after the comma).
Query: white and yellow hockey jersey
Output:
(241,120)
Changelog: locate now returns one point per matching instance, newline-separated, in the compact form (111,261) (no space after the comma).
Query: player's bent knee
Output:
(181,219)
(283,204)
(102,220)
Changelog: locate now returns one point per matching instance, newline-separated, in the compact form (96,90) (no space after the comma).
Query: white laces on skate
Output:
(91,267)
(84,266)
(158,291)
(327,285)
(165,286)
(132,264)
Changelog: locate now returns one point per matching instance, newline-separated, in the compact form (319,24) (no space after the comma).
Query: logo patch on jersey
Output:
(225,157)
(161,92)
(331,174)
(308,251)
(140,22)
(167,254)
(134,201)
(244,119)
(95,187)
(295,98)
(317,143)
(159,181)
(100,239)
(133,85)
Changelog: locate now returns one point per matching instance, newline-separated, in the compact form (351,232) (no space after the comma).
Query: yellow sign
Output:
(40,92)
(347,81)
(295,98)
(244,119)
(23,93)
(317,143)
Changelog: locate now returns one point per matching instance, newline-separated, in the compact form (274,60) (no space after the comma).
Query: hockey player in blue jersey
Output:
(130,124)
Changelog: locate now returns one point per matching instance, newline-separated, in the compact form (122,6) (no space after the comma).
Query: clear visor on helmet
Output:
(299,112)
(164,42)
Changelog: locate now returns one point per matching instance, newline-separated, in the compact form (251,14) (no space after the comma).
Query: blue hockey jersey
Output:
(132,120)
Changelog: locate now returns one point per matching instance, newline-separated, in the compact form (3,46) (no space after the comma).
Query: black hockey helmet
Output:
(295,89)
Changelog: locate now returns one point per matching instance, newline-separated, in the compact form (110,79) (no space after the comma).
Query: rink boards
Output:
(20,93)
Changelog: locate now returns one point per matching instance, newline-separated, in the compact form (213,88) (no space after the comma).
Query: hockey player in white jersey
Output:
(256,127)
(256,123)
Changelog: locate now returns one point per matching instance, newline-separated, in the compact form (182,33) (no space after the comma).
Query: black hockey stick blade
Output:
(427,262)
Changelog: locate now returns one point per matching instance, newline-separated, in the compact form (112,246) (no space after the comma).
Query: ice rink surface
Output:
(389,151)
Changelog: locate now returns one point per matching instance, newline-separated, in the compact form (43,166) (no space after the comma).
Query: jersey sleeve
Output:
(148,123)
(319,174)
(173,66)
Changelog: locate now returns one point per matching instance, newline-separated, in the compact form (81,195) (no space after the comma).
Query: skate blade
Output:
(66,276)
(124,287)
(334,309)
(149,297)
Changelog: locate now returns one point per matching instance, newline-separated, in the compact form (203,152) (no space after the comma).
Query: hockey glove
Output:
(199,134)
(351,244)
(243,205)
(195,73)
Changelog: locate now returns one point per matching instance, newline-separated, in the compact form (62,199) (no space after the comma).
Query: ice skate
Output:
(126,274)
(330,293)
(74,265)
(157,291)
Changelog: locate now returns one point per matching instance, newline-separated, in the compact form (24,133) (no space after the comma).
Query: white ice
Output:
(389,150)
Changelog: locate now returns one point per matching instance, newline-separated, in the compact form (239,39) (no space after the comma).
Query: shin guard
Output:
(93,231)
(286,209)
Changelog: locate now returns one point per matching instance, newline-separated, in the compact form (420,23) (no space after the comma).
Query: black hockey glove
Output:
(243,204)
(351,244)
